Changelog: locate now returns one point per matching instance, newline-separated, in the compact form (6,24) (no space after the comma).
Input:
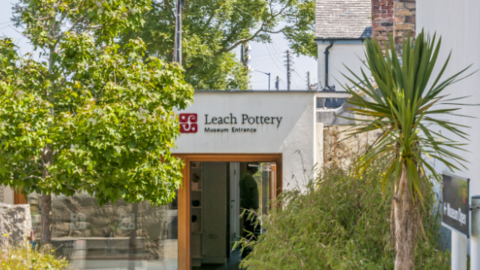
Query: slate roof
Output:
(345,19)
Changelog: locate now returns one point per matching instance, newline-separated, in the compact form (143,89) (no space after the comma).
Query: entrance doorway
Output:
(222,194)
(184,193)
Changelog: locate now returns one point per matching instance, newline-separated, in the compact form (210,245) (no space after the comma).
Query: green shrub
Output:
(22,257)
(339,222)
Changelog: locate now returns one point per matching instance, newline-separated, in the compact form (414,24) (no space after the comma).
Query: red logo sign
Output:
(188,122)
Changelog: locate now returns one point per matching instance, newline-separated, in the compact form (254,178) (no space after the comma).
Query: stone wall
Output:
(341,151)
(15,223)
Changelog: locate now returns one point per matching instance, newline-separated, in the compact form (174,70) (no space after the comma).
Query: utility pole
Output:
(245,54)
(289,70)
(177,54)
(277,83)
(308,80)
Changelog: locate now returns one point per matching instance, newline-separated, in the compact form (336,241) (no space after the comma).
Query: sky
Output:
(268,58)
(8,30)
(271,57)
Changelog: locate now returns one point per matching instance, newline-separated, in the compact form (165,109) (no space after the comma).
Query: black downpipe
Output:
(327,87)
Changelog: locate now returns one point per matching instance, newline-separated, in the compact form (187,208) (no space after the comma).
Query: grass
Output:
(22,257)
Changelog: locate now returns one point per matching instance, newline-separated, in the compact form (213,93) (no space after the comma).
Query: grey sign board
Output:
(456,205)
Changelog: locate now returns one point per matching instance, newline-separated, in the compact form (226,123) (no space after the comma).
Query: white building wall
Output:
(349,54)
(6,195)
(294,138)
(458,23)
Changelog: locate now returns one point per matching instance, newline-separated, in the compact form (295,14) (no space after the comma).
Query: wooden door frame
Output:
(273,184)
(184,194)
(19,198)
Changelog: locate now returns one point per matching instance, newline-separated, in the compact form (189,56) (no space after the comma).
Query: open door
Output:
(219,192)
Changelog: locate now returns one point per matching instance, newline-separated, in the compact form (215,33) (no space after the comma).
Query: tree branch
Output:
(241,41)
(275,32)
(261,29)
(31,176)
(81,20)
(209,20)
(169,8)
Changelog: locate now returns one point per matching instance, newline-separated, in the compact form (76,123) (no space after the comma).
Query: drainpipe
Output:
(327,87)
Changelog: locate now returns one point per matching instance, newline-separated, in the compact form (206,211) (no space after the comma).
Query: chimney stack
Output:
(395,17)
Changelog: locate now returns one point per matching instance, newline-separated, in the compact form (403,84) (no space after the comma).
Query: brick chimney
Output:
(395,17)
(383,19)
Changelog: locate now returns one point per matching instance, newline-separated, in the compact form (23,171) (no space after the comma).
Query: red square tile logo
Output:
(188,122)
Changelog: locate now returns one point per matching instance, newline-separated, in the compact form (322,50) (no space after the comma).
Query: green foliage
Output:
(24,257)
(212,29)
(339,221)
(405,107)
(90,115)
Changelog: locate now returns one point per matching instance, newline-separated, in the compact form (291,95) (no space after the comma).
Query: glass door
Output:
(227,200)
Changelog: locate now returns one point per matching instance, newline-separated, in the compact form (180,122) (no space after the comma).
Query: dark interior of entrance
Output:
(220,192)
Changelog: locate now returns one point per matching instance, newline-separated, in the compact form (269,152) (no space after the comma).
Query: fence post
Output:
(475,238)
(459,251)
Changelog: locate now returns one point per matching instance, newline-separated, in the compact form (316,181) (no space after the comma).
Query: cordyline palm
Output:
(404,106)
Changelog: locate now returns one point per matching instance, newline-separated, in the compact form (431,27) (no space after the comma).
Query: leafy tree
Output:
(90,115)
(213,29)
(405,107)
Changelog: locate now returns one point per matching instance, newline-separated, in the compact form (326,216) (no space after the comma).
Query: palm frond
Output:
(403,105)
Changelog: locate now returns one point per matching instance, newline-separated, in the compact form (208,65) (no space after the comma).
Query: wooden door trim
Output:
(19,198)
(184,220)
(273,185)
(184,194)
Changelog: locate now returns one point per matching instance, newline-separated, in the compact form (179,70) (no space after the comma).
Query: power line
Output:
(282,82)
(294,70)
(268,50)
(298,84)
(293,64)
(275,54)
(297,77)
(272,59)
(289,70)
(276,58)
(264,65)
(276,48)
(4,27)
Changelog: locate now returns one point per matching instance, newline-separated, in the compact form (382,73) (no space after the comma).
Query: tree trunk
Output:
(133,239)
(46,220)
(405,225)
(46,199)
